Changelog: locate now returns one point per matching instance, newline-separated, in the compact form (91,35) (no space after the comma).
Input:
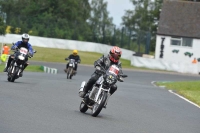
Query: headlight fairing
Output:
(110,79)
(21,57)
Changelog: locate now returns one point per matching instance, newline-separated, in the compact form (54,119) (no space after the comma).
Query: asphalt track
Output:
(48,103)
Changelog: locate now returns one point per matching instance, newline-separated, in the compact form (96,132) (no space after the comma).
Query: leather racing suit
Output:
(105,62)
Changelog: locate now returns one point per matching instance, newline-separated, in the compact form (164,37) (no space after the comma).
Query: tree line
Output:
(84,20)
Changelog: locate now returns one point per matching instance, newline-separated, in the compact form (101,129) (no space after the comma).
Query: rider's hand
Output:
(16,48)
(98,68)
(30,55)
(120,79)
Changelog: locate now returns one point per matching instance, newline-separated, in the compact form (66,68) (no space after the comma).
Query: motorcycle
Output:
(97,97)
(70,71)
(17,64)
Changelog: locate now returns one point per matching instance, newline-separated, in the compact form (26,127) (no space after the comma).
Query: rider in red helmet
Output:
(105,62)
(115,54)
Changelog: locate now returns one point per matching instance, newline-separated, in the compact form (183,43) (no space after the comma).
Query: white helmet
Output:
(26,37)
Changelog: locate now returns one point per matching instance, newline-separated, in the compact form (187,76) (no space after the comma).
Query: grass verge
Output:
(187,89)
(58,55)
(88,58)
(31,68)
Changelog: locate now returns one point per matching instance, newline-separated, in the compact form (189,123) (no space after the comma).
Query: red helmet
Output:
(115,54)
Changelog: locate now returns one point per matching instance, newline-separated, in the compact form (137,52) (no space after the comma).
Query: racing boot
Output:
(21,73)
(65,70)
(82,91)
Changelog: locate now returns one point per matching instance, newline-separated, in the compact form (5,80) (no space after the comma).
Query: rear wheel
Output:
(83,107)
(99,105)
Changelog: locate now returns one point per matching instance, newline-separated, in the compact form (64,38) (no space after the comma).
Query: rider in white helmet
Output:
(24,43)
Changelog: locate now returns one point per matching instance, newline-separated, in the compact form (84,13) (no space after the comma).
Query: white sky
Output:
(117,9)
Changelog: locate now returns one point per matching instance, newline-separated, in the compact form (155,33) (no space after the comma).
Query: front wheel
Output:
(9,79)
(14,75)
(71,73)
(99,105)
(68,72)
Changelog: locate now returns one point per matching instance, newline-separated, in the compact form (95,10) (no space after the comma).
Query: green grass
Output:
(88,58)
(188,89)
(58,55)
(34,68)
(2,66)
(31,68)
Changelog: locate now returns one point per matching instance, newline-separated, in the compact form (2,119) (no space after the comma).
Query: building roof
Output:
(180,19)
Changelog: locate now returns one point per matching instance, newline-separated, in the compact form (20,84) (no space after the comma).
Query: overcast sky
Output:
(117,9)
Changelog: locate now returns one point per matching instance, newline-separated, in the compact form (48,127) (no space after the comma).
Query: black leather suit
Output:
(76,58)
(105,62)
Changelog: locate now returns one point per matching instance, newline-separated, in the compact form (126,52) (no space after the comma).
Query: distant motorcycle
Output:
(70,70)
(17,63)
(98,97)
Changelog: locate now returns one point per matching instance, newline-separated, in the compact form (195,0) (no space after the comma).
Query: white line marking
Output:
(153,83)
(184,98)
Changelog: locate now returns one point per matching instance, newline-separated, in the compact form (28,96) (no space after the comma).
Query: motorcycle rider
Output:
(77,59)
(105,62)
(24,43)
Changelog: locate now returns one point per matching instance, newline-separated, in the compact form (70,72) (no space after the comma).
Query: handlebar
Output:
(123,75)
(101,69)
(75,61)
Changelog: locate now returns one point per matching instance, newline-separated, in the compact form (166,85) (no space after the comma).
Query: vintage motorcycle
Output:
(97,98)
(70,70)
(17,64)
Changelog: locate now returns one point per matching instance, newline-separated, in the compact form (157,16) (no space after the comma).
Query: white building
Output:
(179,24)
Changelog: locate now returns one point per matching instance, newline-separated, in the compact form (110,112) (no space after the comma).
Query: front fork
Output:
(13,66)
(99,92)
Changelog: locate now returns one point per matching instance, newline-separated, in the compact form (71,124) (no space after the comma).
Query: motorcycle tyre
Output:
(83,108)
(100,106)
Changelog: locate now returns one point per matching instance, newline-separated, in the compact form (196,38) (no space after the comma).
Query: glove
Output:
(30,54)
(15,48)
(98,68)
(120,79)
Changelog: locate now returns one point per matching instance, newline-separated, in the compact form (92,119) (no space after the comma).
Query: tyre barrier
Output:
(49,70)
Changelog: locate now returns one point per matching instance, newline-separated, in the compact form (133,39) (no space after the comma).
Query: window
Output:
(178,41)
(187,42)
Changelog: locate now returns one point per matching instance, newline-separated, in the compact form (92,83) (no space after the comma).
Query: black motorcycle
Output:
(98,97)
(17,64)
(70,71)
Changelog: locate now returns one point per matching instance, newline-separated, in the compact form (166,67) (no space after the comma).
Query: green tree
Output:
(49,18)
(100,22)
(143,19)
(2,27)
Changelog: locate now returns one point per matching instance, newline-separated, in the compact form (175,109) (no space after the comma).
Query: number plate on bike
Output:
(23,50)
(114,70)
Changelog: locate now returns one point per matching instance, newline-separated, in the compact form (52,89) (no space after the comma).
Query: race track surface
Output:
(49,103)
